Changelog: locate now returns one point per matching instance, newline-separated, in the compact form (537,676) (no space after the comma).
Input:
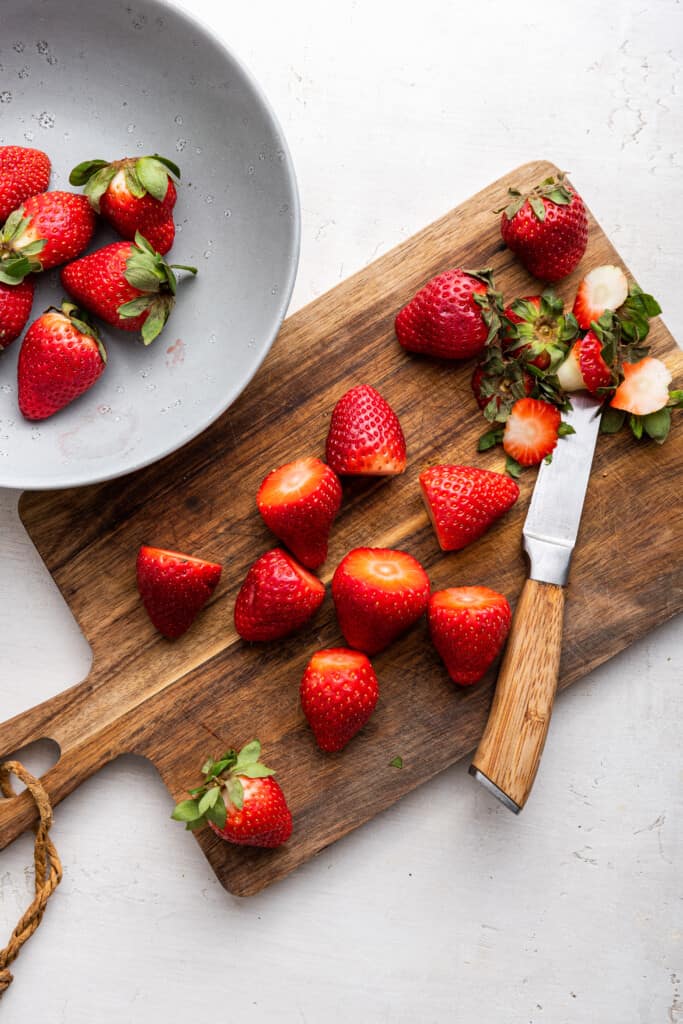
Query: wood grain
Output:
(175,702)
(510,749)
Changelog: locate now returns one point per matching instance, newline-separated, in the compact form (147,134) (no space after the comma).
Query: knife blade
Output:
(510,749)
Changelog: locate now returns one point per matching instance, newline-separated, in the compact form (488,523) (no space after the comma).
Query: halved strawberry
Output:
(464,501)
(602,288)
(378,593)
(468,627)
(277,596)
(174,587)
(531,431)
(645,388)
(338,692)
(365,436)
(298,502)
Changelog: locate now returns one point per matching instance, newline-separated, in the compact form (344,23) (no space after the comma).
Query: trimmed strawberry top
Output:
(365,436)
(276,598)
(536,328)
(602,288)
(24,172)
(452,316)
(298,502)
(338,691)
(174,587)
(464,501)
(378,593)
(644,389)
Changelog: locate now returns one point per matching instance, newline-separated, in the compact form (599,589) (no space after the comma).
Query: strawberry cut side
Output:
(531,431)
(645,388)
(603,288)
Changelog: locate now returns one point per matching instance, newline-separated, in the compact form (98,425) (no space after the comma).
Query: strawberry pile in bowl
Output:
(127,284)
(528,355)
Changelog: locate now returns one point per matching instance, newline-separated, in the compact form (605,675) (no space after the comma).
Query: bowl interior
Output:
(108,79)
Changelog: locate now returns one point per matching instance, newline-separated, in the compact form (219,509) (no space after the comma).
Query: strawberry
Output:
(464,501)
(23,173)
(537,329)
(239,800)
(602,288)
(15,308)
(453,316)
(547,229)
(298,502)
(127,284)
(585,366)
(277,596)
(531,431)
(46,230)
(174,588)
(365,436)
(338,692)
(133,194)
(468,626)
(60,358)
(644,389)
(378,593)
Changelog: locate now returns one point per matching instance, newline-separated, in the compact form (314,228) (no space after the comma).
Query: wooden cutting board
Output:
(176,702)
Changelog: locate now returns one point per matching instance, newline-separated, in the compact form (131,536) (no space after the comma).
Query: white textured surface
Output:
(446,909)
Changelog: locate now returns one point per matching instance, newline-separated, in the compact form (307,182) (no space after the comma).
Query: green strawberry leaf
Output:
(33,248)
(396,763)
(512,467)
(254,771)
(133,182)
(209,799)
(612,420)
(173,168)
(84,171)
(186,810)
(235,792)
(152,176)
(489,439)
(657,424)
(636,425)
(156,321)
(217,813)
(15,225)
(135,307)
(675,399)
(249,754)
(537,206)
(192,826)
(97,185)
(565,429)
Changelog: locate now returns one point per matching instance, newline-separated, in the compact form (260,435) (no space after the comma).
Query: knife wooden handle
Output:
(510,749)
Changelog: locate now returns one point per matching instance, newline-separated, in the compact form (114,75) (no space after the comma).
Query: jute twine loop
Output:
(48,867)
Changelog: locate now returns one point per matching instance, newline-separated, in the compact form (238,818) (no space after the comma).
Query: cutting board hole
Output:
(38,757)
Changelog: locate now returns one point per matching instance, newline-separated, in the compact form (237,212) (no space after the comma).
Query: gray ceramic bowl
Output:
(111,78)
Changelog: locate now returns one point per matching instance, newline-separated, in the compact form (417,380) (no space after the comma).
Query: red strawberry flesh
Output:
(531,431)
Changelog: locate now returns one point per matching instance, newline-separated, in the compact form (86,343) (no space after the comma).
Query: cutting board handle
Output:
(510,750)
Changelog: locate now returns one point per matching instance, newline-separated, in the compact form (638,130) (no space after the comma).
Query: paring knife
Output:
(509,752)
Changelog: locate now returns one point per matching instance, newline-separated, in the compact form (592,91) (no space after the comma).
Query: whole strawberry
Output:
(378,593)
(338,692)
(453,316)
(464,501)
(174,587)
(547,229)
(298,502)
(127,284)
(365,436)
(15,308)
(537,329)
(239,800)
(24,173)
(277,597)
(133,194)
(61,357)
(468,626)
(46,230)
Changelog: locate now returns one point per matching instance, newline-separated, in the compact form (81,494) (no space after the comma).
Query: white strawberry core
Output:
(118,183)
(606,287)
(569,373)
